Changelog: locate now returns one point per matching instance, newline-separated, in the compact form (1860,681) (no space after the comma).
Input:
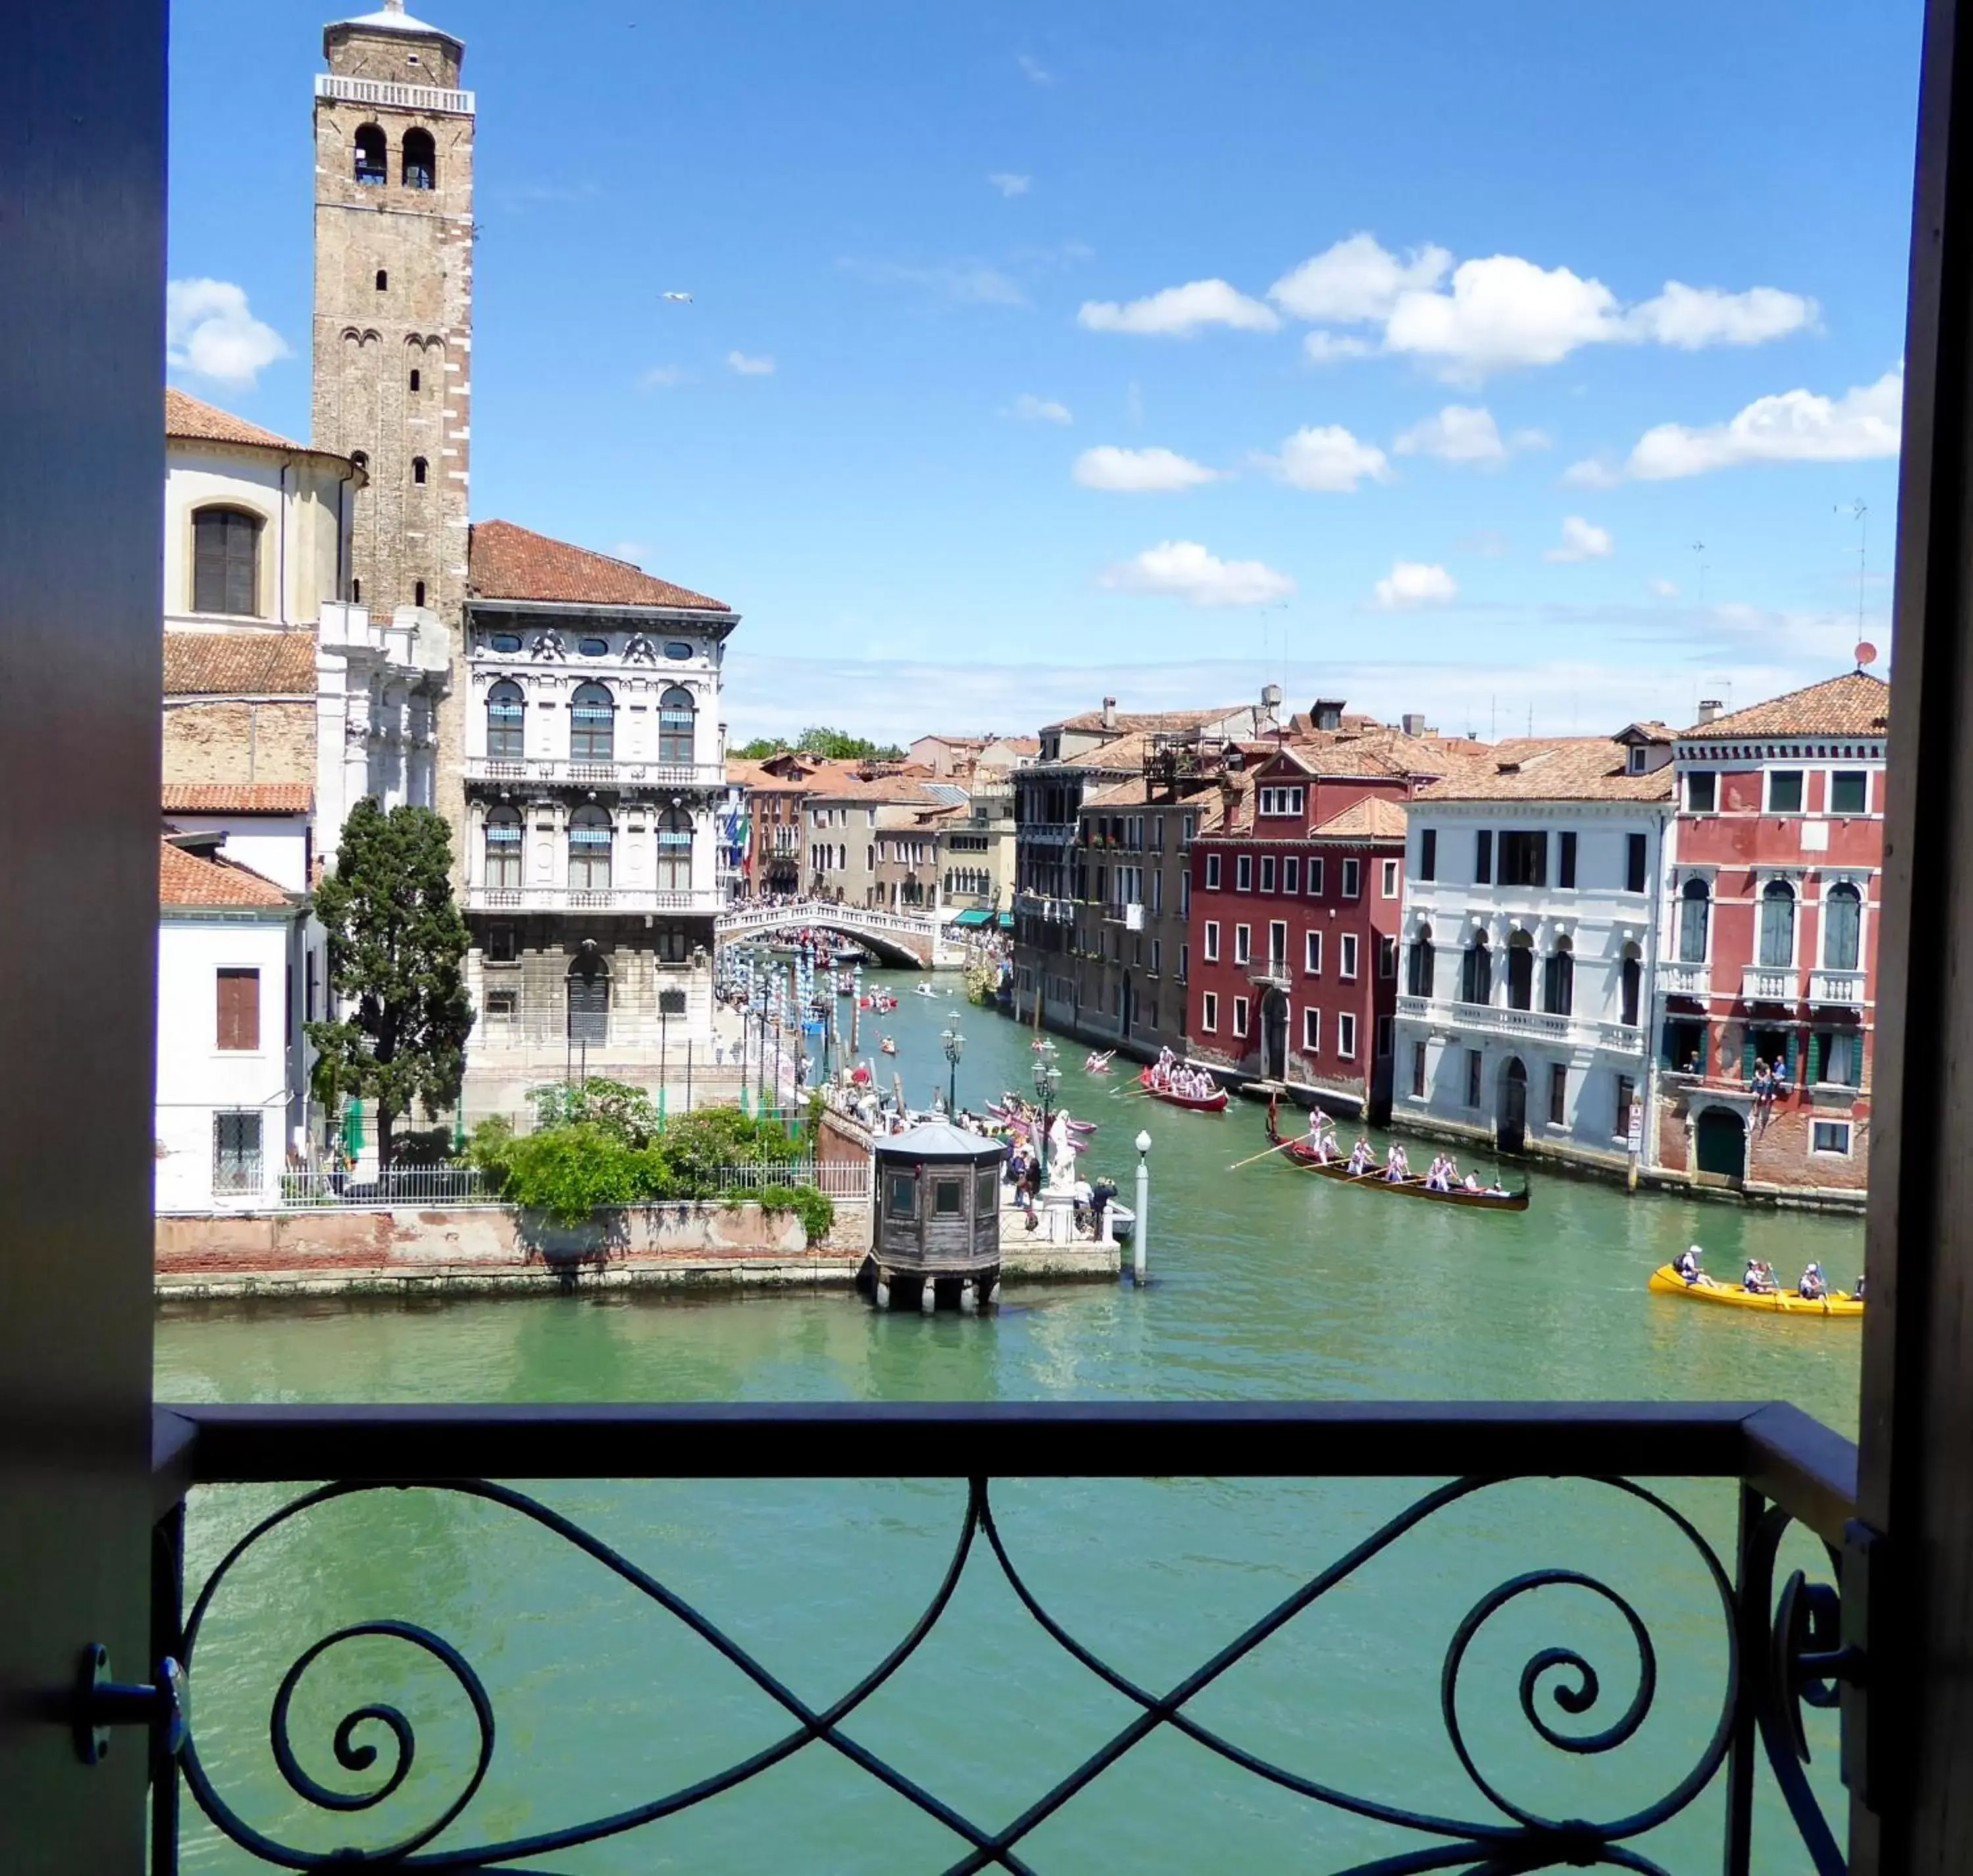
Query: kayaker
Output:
(1760,1280)
(1858,1291)
(1813,1287)
(1687,1266)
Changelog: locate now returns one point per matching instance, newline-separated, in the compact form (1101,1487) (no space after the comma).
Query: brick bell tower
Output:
(394,301)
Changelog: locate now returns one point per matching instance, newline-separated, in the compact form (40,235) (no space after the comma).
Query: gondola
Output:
(1302,1154)
(1214,1103)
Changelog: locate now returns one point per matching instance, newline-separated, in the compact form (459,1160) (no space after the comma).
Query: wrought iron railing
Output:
(1777,1646)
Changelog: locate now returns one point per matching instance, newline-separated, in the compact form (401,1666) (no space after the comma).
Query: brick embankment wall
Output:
(491,1249)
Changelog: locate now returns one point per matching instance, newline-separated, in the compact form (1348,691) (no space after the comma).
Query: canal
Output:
(1265,1285)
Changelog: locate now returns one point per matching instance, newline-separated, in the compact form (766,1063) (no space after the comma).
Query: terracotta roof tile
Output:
(240,664)
(1856,704)
(239,797)
(1373,818)
(1145,720)
(509,562)
(186,879)
(206,423)
(1565,769)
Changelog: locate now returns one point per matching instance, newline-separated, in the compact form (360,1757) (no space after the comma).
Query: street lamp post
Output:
(954,1046)
(1048,1079)
(1140,1249)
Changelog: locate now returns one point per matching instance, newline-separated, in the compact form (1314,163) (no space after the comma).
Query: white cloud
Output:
(1357,281)
(1324,347)
(1327,459)
(969,283)
(1033,410)
(1137,471)
(1500,311)
(1592,472)
(209,331)
(751,367)
(1463,433)
(1032,69)
(1413,583)
(1581,540)
(1664,589)
(1794,427)
(1184,570)
(1178,312)
(1689,317)
(1010,185)
(662,377)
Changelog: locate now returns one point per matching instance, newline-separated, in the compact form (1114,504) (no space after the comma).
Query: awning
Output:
(972,918)
(1007,921)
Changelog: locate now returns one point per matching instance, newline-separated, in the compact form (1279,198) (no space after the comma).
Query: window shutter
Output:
(239,1010)
(1815,1056)
(1747,1058)
(1482,856)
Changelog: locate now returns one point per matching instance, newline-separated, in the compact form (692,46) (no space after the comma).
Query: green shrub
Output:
(816,1210)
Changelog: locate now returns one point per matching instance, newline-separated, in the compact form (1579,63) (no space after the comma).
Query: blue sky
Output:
(1429,427)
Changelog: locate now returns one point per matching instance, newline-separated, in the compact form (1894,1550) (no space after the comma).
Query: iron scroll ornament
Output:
(1526,1840)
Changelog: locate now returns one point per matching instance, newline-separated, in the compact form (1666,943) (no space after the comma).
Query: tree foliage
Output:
(396,945)
(833,745)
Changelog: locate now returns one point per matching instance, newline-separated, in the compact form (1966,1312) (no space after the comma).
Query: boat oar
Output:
(1275,1148)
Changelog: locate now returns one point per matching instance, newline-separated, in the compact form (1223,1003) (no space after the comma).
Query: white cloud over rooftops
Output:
(1793,427)
(1327,459)
(1411,583)
(1180,312)
(1140,472)
(1581,540)
(1184,570)
(211,331)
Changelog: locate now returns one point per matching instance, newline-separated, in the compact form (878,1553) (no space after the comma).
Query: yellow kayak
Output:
(1667,1282)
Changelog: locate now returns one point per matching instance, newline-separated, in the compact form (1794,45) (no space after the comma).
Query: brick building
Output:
(1297,895)
(1768,942)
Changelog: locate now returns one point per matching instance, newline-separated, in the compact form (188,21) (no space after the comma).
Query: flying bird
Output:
(686,297)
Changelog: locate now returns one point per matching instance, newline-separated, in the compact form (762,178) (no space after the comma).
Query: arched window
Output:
(383,281)
(1520,972)
(589,849)
(1842,927)
(506,740)
(676,715)
(503,846)
(1476,972)
(372,161)
(421,160)
(419,468)
(1778,923)
(1422,967)
(592,724)
(1558,979)
(588,999)
(225,560)
(1633,986)
(417,383)
(418,593)
(674,851)
(1695,909)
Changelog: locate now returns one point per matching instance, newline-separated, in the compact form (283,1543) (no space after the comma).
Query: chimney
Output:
(1109,712)
(1709,707)
(1412,722)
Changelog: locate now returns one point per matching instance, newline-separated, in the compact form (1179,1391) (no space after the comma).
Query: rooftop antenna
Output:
(1858,513)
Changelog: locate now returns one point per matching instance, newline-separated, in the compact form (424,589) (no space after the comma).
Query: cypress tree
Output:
(396,945)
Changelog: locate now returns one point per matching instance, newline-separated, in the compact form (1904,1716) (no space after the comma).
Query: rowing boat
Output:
(1666,1282)
(1303,1153)
(1213,1103)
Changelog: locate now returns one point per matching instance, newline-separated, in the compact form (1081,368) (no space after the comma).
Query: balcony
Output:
(1270,974)
(1837,990)
(1768,984)
(1684,979)
(1128,914)
(706,900)
(1742,1673)
(543,770)
(1047,832)
(433,100)
(1528,1025)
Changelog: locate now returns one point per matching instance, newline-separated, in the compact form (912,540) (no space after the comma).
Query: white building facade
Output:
(595,789)
(234,971)
(1530,934)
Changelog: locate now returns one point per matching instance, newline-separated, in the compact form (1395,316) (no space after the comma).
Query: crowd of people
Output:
(1168,1075)
(1759,1279)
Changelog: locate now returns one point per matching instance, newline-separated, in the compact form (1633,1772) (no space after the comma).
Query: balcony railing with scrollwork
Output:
(337,1742)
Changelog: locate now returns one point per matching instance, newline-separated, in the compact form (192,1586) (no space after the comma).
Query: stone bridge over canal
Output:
(912,939)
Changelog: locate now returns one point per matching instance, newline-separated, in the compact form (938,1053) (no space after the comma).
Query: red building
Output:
(1768,950)
(1296,902)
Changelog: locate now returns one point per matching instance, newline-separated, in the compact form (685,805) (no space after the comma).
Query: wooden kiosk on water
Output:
(935,1236)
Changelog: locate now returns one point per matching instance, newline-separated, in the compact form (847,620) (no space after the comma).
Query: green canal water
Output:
(1266,1286)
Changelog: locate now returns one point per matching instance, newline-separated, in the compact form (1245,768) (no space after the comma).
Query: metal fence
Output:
(838,1179)
(403,1185)
(1765,1664)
